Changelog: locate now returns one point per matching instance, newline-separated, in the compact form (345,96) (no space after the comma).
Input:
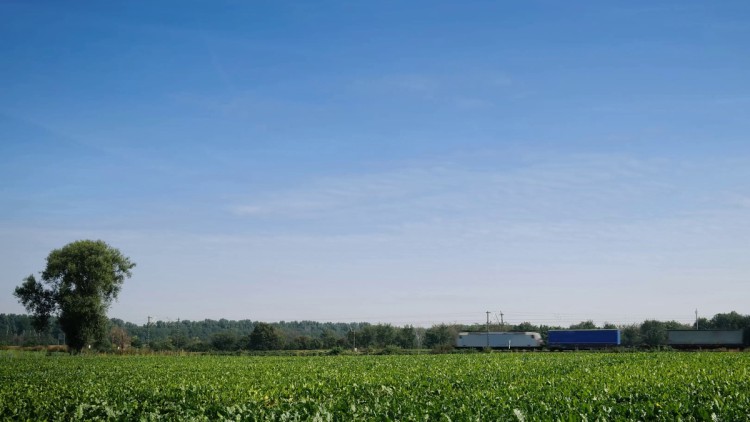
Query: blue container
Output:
(571,339)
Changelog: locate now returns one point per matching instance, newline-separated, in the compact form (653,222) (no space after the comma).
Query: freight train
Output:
(594,339)
(705,339)
(500,340)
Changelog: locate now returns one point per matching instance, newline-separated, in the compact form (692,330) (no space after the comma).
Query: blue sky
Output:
(398,162)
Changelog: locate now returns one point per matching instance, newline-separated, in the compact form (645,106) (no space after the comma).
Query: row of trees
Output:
(278,336)
(17,330)
(183,330)
(225,335)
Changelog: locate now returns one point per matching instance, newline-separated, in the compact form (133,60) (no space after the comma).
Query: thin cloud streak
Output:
(567,189)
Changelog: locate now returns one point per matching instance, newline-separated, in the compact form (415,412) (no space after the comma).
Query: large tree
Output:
(265,337)
(440,336)
(78,285)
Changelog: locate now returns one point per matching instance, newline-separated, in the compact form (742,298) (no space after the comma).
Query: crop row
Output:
(523,386)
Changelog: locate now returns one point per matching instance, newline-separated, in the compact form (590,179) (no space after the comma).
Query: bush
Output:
(442,348)
(392,350)
(336,351)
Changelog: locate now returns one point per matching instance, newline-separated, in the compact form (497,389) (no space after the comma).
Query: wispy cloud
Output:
(573,210)
(582,187)
(247,210)
(461,88)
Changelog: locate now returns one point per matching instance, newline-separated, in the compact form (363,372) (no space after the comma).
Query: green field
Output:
(499,386)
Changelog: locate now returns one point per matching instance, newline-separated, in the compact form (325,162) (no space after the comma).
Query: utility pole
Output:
(148,331)
(696,319)
(502,323)
(488,329)
(354,337)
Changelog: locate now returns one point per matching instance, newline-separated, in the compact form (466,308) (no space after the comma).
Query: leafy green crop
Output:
(499,386)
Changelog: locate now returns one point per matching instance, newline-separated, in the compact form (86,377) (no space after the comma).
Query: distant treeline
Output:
(227,335)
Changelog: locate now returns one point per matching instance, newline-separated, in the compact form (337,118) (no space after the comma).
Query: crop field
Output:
(499,386)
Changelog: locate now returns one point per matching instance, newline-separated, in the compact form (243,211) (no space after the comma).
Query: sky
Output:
(398,162)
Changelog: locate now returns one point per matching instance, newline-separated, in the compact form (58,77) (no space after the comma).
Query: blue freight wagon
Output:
(583,339)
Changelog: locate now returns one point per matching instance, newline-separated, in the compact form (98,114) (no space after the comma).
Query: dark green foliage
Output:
(384,334)
(328,339)
(37,300)
(406,337)
(136,342)
(304,343)
(78,285)
(225,341)
(630,336)
(730,321)
(336,351)
(161,345)
(440,336)
(17,330)
(265,337)
(525,326)
(654,333)
(584,325)
(391,350)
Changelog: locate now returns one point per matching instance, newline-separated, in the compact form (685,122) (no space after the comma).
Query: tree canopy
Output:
(265,337)
(77,286)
